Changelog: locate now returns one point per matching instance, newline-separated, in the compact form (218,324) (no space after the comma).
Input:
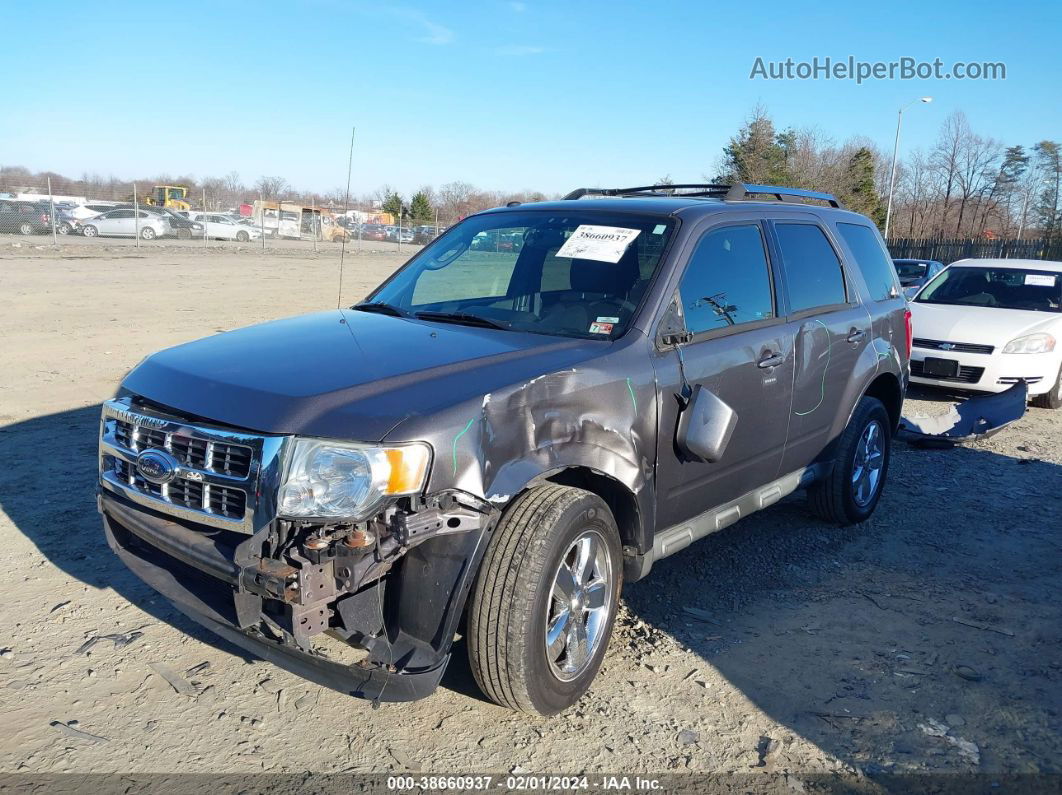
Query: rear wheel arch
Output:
(886,388)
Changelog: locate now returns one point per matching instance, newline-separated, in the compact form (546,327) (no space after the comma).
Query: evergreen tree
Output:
(861,192)
(758,154)
(393,204)
(420,209)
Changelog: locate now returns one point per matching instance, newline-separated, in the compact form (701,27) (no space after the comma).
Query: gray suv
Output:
(503,433)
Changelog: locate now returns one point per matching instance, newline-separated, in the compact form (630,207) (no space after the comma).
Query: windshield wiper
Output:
(381,308)
(466,318)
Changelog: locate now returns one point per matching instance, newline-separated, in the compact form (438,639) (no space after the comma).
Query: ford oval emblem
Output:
(157,466)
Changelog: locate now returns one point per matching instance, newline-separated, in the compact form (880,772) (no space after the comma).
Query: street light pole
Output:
(895,151)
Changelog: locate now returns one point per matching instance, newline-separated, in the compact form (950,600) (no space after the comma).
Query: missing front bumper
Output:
(409,653)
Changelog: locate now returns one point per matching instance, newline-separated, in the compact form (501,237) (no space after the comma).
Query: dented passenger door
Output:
(724,366)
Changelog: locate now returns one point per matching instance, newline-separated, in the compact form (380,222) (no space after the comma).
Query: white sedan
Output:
(223,227)
(986,324)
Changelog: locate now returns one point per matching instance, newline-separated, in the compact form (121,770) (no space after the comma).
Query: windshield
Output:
(911,270)
(578,273)
(1005,288)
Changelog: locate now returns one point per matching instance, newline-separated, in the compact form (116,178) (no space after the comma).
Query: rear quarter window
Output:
(872,259)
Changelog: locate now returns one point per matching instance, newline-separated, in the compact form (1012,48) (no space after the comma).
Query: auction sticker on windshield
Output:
(601,243)
(1040,279)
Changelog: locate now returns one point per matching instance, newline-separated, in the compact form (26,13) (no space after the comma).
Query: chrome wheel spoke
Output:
(584,559)
(564,586)
(557,634)
(578,646)
(595,595)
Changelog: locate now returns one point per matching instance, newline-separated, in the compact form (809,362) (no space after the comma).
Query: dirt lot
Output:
(927,639)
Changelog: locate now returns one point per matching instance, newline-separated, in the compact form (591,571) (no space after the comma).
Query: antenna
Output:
(346,205)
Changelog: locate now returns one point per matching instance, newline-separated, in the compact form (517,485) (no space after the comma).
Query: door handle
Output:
(770,359)
(856,335)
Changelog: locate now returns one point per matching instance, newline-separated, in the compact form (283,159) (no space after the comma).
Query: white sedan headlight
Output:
(1031,343)
(342,480)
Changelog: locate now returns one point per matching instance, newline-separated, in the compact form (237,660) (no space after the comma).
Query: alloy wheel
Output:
(580,604)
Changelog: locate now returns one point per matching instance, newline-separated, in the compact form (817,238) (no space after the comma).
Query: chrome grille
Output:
(956,347)
(222,478)
(220,457)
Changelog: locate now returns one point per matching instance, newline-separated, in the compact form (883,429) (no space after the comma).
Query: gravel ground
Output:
(926,639)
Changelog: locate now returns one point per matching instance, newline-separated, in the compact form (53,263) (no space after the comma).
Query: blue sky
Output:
(505,95)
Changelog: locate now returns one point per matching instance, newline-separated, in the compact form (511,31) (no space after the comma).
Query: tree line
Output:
(966,185)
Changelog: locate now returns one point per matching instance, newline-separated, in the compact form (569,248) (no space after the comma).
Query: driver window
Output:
(727,281)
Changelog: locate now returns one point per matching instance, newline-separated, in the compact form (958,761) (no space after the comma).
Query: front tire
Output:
(1052,399)
(242,237)
(90,231)
(545,600)
(850,493)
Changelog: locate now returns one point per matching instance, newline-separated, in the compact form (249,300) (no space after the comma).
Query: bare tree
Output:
(272,187)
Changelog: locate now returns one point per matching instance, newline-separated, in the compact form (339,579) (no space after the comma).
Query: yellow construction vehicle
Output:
(172,196)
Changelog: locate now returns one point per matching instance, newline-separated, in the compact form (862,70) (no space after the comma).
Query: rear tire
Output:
(850,493)
(242,237)
(553,567)
(147,233)
(1052,399)
(90,231)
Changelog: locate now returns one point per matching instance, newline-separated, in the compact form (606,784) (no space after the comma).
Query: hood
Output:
(344,374)
(980,325)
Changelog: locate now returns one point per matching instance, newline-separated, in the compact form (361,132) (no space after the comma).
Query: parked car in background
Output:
(424,234)
(221,227)
(66,222)
(24,218)
(98,208)
(914,273)
(404,235)
(986,324)
(125,223)
(180,225)
(249,222)
(373,232)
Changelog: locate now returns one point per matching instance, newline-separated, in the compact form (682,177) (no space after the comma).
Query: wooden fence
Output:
(947,250)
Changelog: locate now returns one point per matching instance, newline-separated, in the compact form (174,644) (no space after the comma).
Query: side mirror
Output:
(705,426)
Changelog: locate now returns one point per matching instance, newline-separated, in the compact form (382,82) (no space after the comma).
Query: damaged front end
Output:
(367,607)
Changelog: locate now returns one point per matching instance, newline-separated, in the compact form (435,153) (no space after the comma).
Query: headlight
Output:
(1031,343)
(340,480)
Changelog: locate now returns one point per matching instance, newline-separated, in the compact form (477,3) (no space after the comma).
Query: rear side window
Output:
(812,269)
(872,259)
(727,281)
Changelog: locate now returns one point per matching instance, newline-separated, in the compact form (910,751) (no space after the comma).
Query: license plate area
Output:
(940,368)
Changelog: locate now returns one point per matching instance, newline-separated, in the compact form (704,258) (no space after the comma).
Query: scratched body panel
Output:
(600,414)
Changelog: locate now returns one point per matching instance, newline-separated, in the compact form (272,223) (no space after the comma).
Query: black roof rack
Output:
(739,191)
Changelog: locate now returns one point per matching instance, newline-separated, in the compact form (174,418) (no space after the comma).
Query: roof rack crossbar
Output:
(699,189)
(739,191)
